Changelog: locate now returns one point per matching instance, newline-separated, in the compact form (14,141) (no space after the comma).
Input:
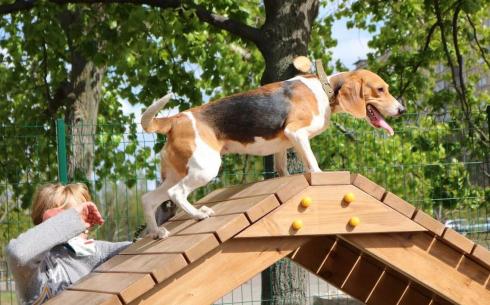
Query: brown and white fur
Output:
(264,121)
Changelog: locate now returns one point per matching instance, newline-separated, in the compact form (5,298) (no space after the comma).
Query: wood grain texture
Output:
(233,263)
(428,222)
(254,207)
(160,266)
(399,204)
(389,289)
(481,254)
(192,246)
(457,240)
(224,227)
(412,256)
(127,285)
(69,297)
(367,186)
(328,178)
(329,215)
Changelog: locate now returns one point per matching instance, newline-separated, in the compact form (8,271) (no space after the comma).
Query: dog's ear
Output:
(351,97)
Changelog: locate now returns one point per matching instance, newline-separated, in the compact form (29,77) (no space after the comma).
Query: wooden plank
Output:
(69,297)
(328,178)
(415,295)
(312,254)
(482,255)
(362,278)
(221,270)
(409,255)
(127,285)
(283,187)
(399,204)
(367,186)
(389,289)
(224,227)
(428,222)
(445,253)
(160,266)
(175,226)
(192,246)
(473,270)
(255,207)
(328,215)
(457,240)
(339,263)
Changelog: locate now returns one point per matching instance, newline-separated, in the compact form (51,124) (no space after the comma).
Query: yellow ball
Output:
(297,224)
(306,202)
(354,221)
(349,197)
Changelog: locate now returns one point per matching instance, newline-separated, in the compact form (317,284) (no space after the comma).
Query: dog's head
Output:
(364,94)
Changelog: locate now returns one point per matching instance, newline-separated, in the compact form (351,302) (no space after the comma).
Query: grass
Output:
(7,298)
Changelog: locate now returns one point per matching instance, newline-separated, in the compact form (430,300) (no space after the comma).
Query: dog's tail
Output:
(152,124)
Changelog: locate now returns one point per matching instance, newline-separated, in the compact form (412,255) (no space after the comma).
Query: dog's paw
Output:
(160,233)
(203,213)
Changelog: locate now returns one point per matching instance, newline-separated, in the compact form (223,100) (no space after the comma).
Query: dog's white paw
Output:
(160,233)
(203,213)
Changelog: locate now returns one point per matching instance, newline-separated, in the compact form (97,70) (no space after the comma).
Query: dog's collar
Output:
(322,76)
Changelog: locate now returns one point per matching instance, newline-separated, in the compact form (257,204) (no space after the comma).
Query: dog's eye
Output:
(381,89)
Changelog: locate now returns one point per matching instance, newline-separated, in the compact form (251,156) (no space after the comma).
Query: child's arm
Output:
(29,248)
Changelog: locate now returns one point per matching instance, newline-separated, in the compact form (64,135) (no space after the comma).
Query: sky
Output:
(351,46)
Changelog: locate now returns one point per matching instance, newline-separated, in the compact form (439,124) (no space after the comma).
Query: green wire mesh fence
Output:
(432,162)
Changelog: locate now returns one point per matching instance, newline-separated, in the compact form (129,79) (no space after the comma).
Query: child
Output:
(56,252)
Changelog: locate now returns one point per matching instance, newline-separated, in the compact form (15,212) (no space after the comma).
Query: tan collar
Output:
(322,76)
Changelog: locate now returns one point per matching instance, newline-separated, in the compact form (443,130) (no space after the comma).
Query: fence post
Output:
(61,149)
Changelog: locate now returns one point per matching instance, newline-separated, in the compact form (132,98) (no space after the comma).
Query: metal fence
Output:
(432,162)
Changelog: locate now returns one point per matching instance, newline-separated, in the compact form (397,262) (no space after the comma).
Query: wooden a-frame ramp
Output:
(397,255)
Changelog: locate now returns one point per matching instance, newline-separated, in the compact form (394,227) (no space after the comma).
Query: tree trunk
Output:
(285,35)
(87,86)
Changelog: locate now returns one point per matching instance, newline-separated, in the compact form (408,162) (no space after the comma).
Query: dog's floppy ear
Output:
(351,97)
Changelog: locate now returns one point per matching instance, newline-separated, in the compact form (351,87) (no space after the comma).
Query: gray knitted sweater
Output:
(42,264)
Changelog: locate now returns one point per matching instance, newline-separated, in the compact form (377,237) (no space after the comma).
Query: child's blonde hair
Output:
(56,195)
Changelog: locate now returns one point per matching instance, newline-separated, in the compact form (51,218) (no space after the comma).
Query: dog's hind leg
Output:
(281,163)
(151,201)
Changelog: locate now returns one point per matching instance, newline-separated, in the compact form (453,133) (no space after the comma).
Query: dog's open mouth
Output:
(377,120)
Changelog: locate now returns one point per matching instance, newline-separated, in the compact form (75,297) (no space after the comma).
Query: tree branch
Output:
(482,50)
(235,27)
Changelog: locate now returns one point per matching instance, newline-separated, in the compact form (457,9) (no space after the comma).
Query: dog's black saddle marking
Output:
(242,117)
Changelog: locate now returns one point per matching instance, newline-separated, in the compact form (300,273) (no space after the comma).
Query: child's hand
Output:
(90,214)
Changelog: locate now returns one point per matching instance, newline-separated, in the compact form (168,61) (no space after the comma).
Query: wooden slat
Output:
(312,254)
(127,285)
(434,269)
(473,270)
(389,289)
(399,204)
(428,222)
(445,253)
(176,226)
(283,187)
(367,186)
(224,227)
(69,297)
(221,270)
(481,254)
(339,263)
(255,207)
(362,278)
(457,240)
(160,266)
(193,246)
(328,178)
(415,295)
(327,215)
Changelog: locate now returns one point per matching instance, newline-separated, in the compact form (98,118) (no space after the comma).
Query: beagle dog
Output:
(267,120)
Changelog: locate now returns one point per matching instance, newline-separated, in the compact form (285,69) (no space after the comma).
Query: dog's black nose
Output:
(402,110)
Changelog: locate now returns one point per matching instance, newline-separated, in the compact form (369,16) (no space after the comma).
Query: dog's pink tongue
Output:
(382,123)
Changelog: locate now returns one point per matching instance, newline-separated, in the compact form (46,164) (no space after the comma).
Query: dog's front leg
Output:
(301,143)
(281,163)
